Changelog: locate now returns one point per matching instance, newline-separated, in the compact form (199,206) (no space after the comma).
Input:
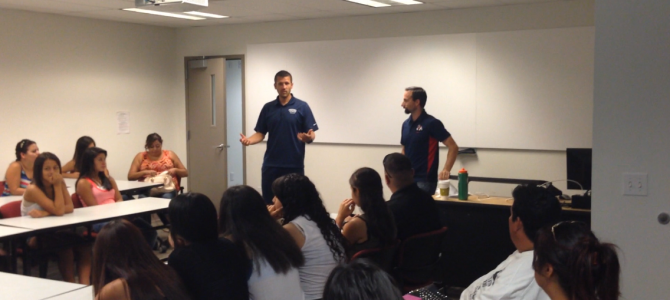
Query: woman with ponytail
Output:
(375,227)
(571,264)
(310,225)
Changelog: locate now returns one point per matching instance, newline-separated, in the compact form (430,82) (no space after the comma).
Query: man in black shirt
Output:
(414,210)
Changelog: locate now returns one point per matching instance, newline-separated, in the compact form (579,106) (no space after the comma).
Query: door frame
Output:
(244,107)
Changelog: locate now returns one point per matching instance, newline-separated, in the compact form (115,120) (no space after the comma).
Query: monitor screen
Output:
(579,167)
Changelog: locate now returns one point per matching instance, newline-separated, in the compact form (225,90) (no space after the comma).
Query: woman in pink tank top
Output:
(93,186)
(156,160)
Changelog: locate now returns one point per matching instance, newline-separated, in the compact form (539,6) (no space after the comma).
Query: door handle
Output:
(220,147)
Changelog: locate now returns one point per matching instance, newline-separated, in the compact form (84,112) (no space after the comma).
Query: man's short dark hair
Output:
(536,208)
(282,74)
(418,93)
(398,166)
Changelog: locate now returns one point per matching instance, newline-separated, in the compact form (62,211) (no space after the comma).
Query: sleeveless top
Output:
(319,260)
(163,164)
(269,285)
(25,182)
(102,196)
(372,241)
(27,206)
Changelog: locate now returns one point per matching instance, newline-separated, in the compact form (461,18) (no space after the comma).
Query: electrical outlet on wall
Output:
(635,184)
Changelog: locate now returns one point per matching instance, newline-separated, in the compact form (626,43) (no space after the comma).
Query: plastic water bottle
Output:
(463,184)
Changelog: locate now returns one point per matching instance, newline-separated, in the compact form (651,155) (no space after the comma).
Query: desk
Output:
(477,239)
(89,215)
(18,287)
(125,186)
(6,231)
(85,293)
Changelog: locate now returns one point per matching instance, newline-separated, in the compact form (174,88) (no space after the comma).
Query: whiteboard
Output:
(528,89)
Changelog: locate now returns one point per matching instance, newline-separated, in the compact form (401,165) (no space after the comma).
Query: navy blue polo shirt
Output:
(421,139)
(283,123)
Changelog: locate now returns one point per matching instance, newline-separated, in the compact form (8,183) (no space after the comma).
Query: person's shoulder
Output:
(117,289)
(13,166)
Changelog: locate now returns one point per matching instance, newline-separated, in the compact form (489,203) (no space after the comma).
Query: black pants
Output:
(269,174)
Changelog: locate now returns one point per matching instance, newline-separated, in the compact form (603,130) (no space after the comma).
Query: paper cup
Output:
(443,186)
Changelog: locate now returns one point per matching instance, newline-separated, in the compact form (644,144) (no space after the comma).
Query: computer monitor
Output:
(579,167)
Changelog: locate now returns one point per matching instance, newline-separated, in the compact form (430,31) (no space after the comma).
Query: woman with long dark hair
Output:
(46,196)
(245,220)
(572,264)
(210,267)
(375,227)
(360,280)
(124,267)
(71,168)
(93,186)
(310,225)
(19,173)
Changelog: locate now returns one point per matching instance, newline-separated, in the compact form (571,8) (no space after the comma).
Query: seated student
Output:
(71,168)
(210,267)
(125,268)
(310,225)
(47,195)
(533,209)
(360,280)
(414,210)
(93,186)
(96,188)
(275,257)
(155,160)
(571,263)
(20,172)
(375,228)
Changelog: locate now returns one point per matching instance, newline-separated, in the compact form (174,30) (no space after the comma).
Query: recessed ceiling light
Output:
(202,14)
(369,3)
(407,2)
(160,13)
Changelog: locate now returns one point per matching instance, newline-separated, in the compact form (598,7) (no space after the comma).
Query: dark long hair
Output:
(244,217)
(299,197)
(360,280)
(378,216)
(88,166)
(22,147)
(121,252)
(81,146)
(586,268)
(37,170)
(193,217)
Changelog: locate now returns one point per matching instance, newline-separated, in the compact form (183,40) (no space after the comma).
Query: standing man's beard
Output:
(407,111)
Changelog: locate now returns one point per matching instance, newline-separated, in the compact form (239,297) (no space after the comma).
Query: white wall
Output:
(64,77)
(331,165)
(630,134)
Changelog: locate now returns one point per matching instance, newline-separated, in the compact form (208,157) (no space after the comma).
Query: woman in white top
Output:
(310,225)
(47,195)
(275,257)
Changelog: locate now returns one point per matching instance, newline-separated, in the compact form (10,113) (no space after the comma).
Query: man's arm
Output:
(307,137)
(451,158)
(253,139)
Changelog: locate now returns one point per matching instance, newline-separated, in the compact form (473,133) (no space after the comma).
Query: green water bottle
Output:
(463,184)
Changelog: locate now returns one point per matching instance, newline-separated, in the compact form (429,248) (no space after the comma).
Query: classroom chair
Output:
(13,210)
(382,257)
(417,259)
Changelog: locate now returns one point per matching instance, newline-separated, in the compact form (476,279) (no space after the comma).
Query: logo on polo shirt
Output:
(292,111)
(419,128)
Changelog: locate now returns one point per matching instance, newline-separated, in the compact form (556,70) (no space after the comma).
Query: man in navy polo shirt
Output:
(290,124)
(421,135)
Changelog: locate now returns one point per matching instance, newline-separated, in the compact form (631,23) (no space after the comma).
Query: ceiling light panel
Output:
(164,14)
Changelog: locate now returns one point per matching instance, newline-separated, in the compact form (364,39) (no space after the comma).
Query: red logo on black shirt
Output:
(419,128)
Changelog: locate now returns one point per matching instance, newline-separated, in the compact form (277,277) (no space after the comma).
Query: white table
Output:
(6,199)
(6,231)
(124,186)
(19,287)
(85,293)
(91,214)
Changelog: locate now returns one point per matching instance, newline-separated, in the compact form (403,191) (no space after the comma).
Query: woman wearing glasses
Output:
(571,263)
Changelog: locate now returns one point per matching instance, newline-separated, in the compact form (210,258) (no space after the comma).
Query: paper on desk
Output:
(123,122)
